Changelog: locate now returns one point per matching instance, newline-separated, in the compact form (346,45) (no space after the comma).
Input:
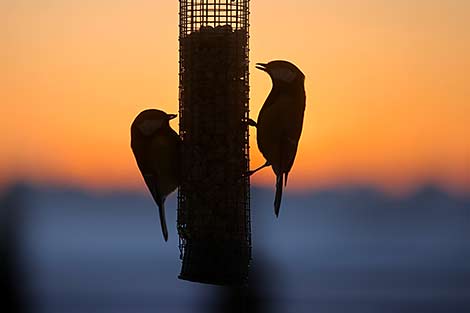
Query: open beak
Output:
(262,66)
(171,116)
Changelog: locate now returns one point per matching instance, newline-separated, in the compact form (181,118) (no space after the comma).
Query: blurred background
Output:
(376,216)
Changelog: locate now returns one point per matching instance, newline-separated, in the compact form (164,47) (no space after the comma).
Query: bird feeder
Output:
(213,199)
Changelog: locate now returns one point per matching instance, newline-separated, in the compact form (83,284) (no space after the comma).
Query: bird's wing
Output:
(151,182)
(289,150)
(287,132)
(165,163)
(292,129)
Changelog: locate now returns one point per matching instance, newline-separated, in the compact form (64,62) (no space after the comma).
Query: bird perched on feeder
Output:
(280,121)
(156,148)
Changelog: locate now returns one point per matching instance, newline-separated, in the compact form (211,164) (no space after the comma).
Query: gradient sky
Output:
(388,95)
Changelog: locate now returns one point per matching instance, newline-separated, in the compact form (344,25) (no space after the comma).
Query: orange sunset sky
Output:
(388,95)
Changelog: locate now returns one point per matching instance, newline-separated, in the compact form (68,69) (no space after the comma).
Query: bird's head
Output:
(282,72)
(150,121)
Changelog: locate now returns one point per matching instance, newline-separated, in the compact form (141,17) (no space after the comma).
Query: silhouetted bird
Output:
(156,148)
(280,121)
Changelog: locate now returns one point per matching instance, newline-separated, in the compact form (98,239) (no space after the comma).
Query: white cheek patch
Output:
(284,74)
(148,127)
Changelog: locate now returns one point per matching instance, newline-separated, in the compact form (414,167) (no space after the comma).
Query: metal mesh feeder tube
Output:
(213,199)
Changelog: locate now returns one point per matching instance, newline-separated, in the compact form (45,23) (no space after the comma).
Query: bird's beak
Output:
(262,66)
(171,116)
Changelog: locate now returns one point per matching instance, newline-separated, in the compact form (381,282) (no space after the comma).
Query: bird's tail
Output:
(161,211)
(277,199)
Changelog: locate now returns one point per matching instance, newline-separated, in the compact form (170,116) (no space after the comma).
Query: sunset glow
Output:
(388,95)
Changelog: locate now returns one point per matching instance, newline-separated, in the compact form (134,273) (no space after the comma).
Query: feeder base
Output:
(215,262)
